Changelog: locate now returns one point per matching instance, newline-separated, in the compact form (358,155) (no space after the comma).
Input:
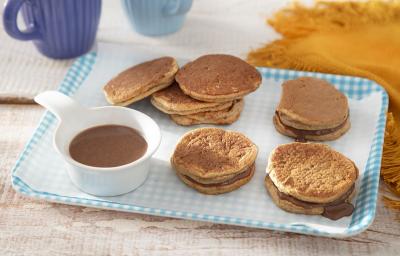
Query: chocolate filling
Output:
(333,210)
(300,133)
(240,176)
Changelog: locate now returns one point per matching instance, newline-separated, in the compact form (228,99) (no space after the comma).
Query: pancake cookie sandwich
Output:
(311,178)
(214,161)
(311,109)
(141,81)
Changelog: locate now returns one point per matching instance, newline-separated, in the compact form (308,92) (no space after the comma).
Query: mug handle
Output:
(177,7)
(10,15)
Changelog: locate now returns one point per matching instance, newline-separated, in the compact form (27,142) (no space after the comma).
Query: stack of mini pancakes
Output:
(208,90)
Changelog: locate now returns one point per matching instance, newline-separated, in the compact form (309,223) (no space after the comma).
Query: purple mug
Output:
(60,29)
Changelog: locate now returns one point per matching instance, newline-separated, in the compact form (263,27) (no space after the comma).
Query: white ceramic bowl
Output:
(74,118)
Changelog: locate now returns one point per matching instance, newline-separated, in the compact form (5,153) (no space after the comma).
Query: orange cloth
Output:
(352,38)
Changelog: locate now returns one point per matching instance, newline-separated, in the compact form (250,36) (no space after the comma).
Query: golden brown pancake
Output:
(315,135)
(310,176)
(220,188)
(312,109)
(218,78)
(224,116)
(291,204)
(141,81)
(172,100)
(208,157)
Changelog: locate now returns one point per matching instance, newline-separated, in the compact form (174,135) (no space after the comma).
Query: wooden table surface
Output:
(32,227)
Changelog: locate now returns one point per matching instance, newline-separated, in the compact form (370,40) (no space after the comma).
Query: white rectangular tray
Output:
(40,172)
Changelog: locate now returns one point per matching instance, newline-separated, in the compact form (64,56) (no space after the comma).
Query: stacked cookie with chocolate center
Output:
(311,178)
(214,161)
(312,109)
(208,90)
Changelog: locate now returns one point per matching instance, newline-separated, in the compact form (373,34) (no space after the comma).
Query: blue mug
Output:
(60,29)
(156,17)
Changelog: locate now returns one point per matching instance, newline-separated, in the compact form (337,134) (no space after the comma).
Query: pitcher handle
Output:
(62,106)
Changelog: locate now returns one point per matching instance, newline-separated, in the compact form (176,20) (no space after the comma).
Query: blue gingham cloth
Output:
(46,178)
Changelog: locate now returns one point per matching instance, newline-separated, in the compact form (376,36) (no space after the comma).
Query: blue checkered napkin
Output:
(57,187)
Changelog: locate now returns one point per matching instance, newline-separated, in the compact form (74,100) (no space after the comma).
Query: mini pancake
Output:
(218,78)
(213,160)
(311,178)
(172,100)
(220,188)
(141,81)
(224,116)
(312,109)
(291,204)
(315,135)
